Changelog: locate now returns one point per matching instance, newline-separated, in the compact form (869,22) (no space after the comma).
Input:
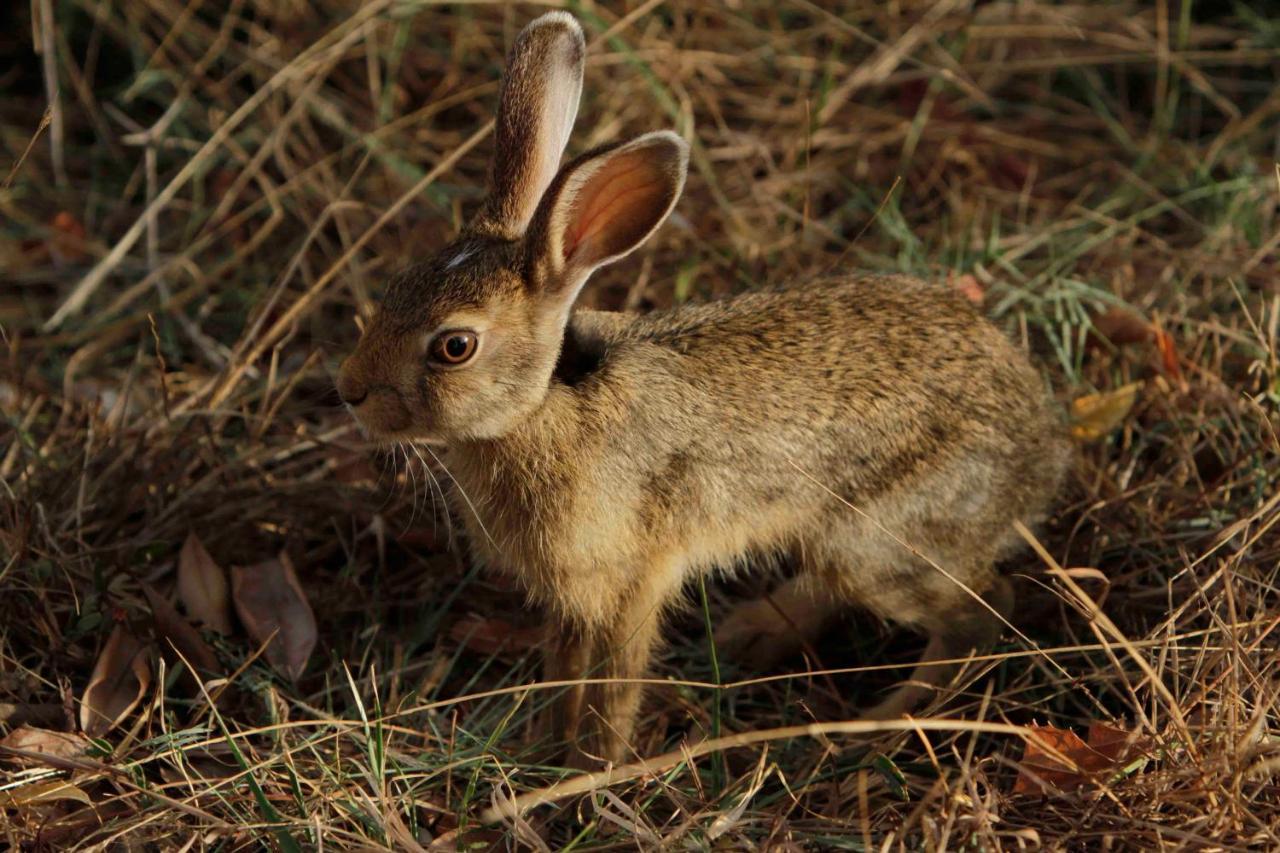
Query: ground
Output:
(193,233)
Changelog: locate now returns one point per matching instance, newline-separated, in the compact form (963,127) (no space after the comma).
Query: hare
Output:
(874,429)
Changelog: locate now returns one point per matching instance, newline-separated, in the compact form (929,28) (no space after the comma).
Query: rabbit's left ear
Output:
(537,104)
(602,206)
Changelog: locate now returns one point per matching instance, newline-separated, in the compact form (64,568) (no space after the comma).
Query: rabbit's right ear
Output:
(602,206)
(536,108)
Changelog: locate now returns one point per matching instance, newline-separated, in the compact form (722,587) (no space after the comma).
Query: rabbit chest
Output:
(605,490)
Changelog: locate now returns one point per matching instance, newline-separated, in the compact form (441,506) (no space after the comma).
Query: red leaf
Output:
(969,287)
(67,242)
(1116,744)
(1168,355)
(1058,757)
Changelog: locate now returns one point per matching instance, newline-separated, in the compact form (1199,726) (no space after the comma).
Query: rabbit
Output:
(874,429)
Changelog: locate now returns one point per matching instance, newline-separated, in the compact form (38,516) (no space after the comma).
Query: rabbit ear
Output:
(601,206)
(536,108)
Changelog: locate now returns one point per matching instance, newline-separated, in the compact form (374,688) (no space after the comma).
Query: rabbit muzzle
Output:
(379,407)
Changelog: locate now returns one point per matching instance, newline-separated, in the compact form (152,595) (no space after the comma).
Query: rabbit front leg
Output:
(612,656)
(614,702)
(567,658)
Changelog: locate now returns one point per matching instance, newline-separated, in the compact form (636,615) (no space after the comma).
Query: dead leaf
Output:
(273,608)
(1168,355)
(1052,755)
(1116,744)
(120,679)
(202,587)
(1094,416)
(39,793)
(1058,757)
(490,636)
(1121,326)
(45,742)
(67,238)
(180,635)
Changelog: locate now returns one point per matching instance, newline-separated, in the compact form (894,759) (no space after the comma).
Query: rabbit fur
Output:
(875,430)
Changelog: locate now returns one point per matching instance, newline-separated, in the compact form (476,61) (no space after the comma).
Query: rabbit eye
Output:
(453,347)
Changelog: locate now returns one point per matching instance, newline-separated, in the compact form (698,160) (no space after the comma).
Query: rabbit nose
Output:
(352,391)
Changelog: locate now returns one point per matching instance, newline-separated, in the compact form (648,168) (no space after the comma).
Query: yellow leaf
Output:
(43,792)
(1094,416)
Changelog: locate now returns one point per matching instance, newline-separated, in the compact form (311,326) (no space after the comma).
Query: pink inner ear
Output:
(605,204)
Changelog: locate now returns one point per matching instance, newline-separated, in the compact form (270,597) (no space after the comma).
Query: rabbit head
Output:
(463,345)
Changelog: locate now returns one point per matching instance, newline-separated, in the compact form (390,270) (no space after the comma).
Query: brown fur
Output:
(604,460)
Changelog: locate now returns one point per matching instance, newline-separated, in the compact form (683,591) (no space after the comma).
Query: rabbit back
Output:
(880,410)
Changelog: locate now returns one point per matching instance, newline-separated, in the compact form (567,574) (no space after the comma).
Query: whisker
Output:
(444,502)
(465,497)
(388,460)
(408,468)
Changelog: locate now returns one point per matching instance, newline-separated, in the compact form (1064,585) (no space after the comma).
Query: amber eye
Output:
(453,347)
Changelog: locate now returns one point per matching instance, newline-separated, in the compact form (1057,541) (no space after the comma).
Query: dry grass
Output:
(246,173)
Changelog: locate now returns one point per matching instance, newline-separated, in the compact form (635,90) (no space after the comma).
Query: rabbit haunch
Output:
(875,430)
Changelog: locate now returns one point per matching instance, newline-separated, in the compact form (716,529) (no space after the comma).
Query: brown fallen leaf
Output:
(202,587)
(39,793)
(490,636)
(1121,326)
(1053,755)
(180,635)
(120,679)
(45,742)
(1094,416)
(1058,757)
(274,610)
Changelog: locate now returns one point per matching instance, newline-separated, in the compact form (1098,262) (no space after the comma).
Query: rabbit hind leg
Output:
(764,631)
(964,625)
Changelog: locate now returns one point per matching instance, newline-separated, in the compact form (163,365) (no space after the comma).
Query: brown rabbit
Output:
(875,429)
